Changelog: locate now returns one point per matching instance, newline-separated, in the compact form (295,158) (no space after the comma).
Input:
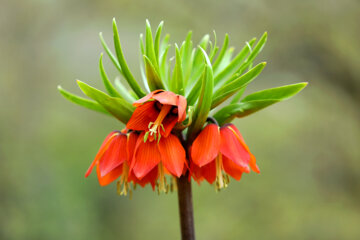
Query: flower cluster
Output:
(180,126)
(149,148)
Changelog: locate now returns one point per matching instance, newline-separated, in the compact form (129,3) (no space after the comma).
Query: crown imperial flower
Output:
(167,133)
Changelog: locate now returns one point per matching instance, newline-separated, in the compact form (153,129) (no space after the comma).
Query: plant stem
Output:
(186,208)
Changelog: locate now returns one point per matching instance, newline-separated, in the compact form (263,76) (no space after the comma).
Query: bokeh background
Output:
(307,147)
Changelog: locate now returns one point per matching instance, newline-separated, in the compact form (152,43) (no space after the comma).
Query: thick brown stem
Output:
(186,208)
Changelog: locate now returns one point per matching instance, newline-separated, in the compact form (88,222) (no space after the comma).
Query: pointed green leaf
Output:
(194,93)
(257,101)
(118,107)
(203,105)
(153,78)
(231,88)
(157,40)
(233,66)
(109,87)
(242,109)
(164,66)
(164,44)
(198,58)
(125,69)
(82,101)
(257,49)
(149,46)
(141,60)
(225,61)
(214,48)
(222,52)
(109,53)
(177,82)
(186,58)
(278,93)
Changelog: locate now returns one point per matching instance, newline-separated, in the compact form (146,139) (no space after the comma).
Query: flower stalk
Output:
(186,211)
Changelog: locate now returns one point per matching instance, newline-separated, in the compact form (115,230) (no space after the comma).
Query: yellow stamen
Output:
(222,179)
(163,186)
(155,127)
(123,186)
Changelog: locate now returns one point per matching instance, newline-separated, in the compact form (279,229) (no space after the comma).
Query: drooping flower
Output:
(114,158)
(219,152)
(157,113)
(165,156)
(110,159)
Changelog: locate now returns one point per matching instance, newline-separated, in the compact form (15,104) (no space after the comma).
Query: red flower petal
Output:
(181,103)
(195,172)
(168,124)
(209,171)
(172,154)
(147,156)
(232,168)
(110,177)
(104,146)
(130,147)
(142,116)
(166,97)
(114,155)
(232,148)
(146,98)
(151,178)
(206,145)
(253,165)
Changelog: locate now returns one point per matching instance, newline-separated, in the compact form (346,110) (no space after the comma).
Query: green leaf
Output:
(177,82)
(141,60)
(222,52)
(198,61)
(157,40)
(231,88)
(198,57)
(186,57)
(278,93)
(225,61)
(194,93)
(164,44)
(118,107)
(203,105)
(124,91)
(109,87)
(82,101)
(214,48)
(164,66)
(149,46)
(257,101)
(125,69)
(152,75)
(109,53)
(257,49)
(233,66)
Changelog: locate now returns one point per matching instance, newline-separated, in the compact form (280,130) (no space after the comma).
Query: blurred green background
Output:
(307,147)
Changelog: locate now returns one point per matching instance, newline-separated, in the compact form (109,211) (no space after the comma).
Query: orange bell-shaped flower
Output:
(219,152)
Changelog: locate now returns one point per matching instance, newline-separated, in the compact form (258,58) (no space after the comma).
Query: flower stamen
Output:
(155,127)
(123,186)
(163,186)
(222,179)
